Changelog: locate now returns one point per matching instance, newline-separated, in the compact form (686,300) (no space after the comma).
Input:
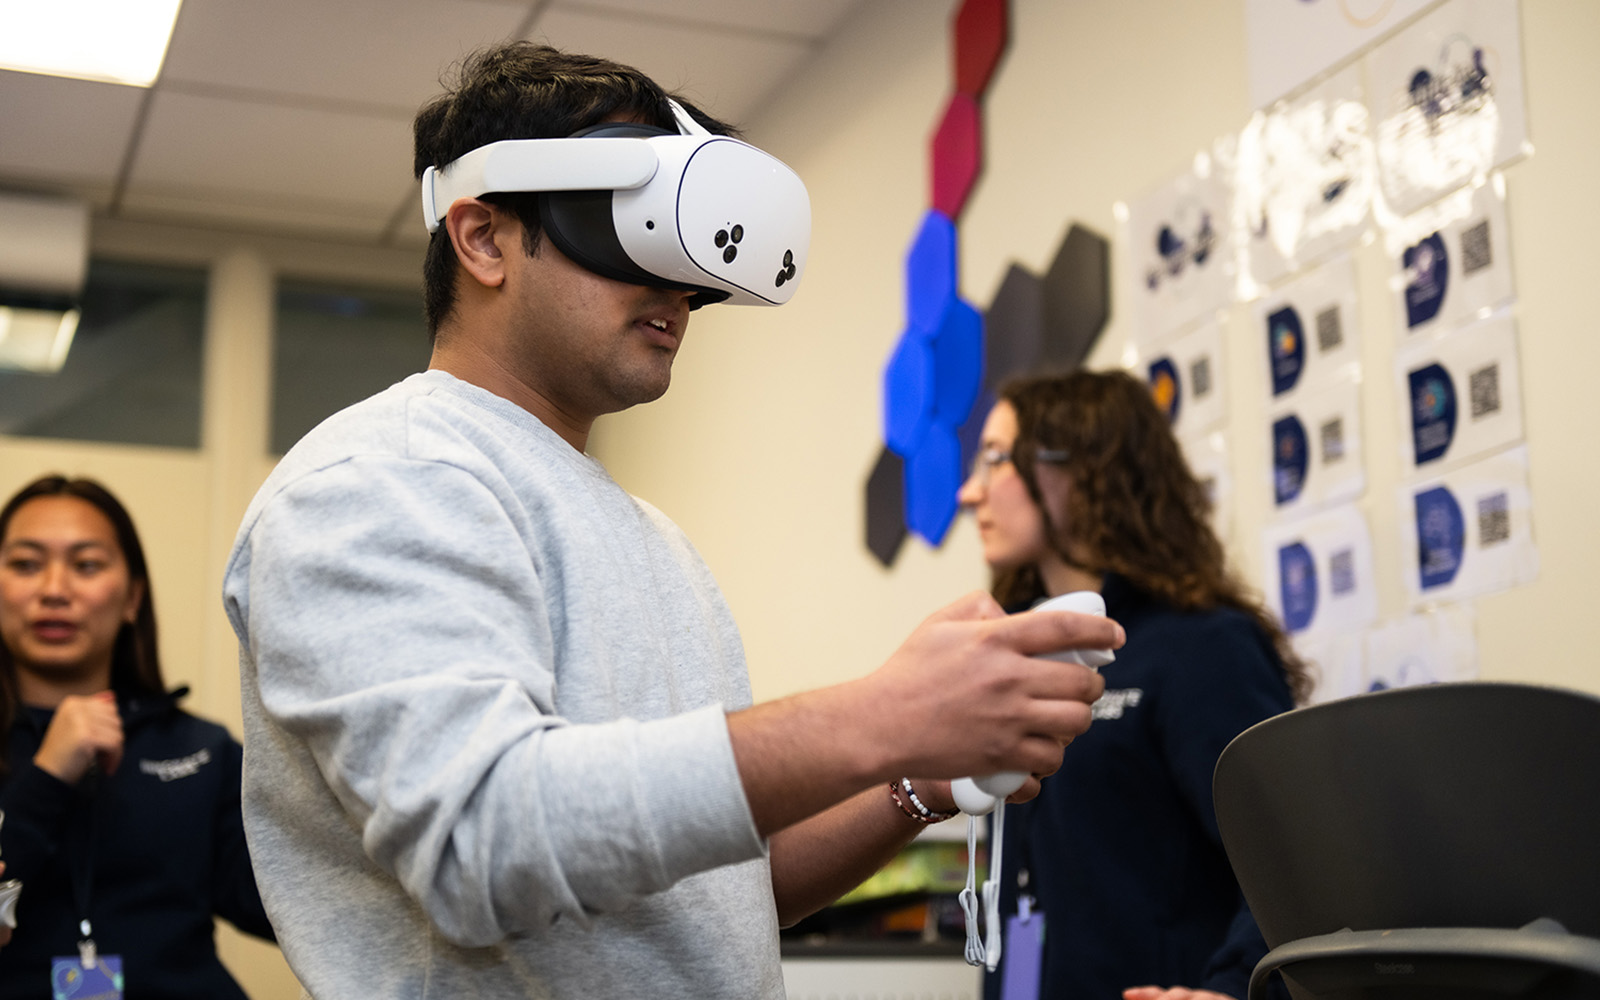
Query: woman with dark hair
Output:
(120,811)
(1080,485)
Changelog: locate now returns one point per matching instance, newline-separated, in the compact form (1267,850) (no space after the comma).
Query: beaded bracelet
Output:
(915,809)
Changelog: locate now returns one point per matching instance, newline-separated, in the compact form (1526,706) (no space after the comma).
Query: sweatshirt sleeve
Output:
(401,631)
(234,896)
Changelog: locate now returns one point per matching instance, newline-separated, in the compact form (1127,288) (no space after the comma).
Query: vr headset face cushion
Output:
(581,225)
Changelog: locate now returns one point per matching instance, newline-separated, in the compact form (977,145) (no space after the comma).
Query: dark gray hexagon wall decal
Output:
(1077,300)
(886,516)
(1013,327)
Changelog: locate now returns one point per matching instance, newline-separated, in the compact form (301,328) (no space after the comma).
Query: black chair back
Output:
(1439,841)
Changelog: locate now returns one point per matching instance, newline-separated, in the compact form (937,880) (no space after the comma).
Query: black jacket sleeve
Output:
(36,805)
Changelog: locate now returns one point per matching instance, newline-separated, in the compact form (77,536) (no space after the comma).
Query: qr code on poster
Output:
(1484,388)
(1475,255)
(1332,434)
(1342,571)
(1494,520)
(1200,377)
(1330,334)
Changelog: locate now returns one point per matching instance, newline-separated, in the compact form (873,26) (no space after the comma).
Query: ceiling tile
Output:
(68,132)
(811,19)
(268,154)
(229,210)
(726,73)
(295,115)
(387,53)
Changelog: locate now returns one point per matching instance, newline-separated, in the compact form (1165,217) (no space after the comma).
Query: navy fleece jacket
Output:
(155,849)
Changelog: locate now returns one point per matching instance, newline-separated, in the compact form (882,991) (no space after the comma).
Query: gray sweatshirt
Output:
(485,745)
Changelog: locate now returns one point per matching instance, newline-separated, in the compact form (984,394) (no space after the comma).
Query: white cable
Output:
(991,890)
(969,895)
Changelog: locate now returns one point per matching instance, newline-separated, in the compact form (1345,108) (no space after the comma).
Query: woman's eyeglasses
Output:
(988,459)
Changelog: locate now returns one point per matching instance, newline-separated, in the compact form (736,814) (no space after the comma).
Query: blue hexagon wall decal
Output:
(957,362)
(933,475)
(930,270)
(908,391)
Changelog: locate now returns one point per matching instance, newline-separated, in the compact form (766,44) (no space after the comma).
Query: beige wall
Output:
(763,445)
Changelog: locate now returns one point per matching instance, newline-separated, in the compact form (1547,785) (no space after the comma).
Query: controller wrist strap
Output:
(985,952)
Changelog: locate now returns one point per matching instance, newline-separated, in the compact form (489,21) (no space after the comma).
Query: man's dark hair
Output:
(521,90)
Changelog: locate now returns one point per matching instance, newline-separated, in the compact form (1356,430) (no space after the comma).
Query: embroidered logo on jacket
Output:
(1113,703)
(178,767)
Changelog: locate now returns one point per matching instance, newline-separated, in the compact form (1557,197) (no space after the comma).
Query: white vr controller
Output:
(978,796)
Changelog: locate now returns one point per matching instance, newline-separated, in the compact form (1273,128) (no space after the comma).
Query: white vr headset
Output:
(638,204)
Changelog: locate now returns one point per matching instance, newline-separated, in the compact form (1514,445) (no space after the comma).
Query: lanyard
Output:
(80,864)
(1020,841)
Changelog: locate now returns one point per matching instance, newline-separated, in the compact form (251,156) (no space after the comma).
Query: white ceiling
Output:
(294,116)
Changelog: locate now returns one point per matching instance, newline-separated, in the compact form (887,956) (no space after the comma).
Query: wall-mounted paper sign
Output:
(1316,448)
(1304,173)
(1207,455)
(1179,269)
(1461,393)
(1432,647)
(1309,330)
(1289,43)
(1189,380)
(1452,261)
(1469,532)
(1338,660)
(1447,99)
(1319,572)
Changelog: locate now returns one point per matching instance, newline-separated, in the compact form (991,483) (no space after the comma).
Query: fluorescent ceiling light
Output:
(115,41)
(36,340)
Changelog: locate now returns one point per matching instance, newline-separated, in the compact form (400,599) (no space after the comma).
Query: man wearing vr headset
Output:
(499,732)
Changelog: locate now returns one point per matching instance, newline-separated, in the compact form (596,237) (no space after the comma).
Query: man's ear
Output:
(473,226)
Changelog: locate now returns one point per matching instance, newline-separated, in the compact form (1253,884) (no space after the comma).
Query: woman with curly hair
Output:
(1081,485)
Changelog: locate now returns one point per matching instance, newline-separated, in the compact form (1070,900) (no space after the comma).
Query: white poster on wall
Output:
(1304,173)
(1460,393)
(1338,660)
(1188,380)
(1316,448)
(1432,647)
(1469,532)
(1309,330)
(1452,261)
(1319,572)
(1178,267)
(1290,43)
(1207,455)
(1447,100)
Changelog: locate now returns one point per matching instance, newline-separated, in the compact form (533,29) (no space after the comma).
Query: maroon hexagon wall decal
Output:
(981,30)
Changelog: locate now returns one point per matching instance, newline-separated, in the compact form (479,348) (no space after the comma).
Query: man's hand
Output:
(84,729)
(966,694)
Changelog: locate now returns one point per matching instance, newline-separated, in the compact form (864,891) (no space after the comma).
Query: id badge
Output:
(1023,957)
(70,980)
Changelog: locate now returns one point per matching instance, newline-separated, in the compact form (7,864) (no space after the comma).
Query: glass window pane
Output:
(132,374)
(336,345)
